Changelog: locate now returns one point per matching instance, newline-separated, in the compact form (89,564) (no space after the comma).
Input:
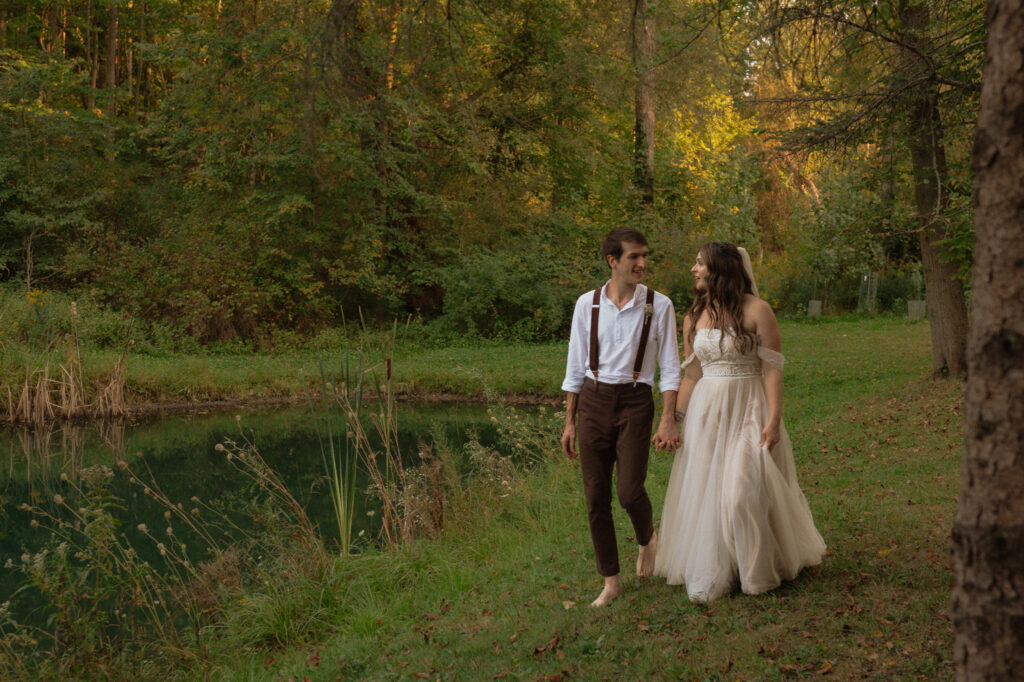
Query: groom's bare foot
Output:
(645,561)
(612,589)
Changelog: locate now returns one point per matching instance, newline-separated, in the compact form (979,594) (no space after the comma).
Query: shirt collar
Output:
(639,294)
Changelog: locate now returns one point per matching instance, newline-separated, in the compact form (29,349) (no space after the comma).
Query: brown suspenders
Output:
(595,310)
(644,333)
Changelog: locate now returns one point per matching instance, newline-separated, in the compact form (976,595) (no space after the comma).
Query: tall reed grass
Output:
(379,452)
(336,450)
(58,391)
(117,601)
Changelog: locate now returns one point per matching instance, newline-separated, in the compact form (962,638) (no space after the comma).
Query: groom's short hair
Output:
(612,244)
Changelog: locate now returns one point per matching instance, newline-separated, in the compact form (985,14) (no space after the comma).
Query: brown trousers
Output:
(615,422)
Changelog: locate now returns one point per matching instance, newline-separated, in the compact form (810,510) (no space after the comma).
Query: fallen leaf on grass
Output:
(314,660)
(568,604)
(825,668)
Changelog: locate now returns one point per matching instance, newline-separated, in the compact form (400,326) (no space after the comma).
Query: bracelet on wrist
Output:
(679,415)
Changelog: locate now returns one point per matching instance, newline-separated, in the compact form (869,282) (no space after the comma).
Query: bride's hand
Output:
(770,435)
(667,437)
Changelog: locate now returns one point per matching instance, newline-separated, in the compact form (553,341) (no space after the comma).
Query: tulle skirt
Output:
(734,513)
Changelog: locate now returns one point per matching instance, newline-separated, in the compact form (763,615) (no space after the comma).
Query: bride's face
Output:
(699,272)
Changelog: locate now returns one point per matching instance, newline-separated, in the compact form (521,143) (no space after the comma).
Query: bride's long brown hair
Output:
(722,295)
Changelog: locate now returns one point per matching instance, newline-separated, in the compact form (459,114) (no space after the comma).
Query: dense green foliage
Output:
(219,170)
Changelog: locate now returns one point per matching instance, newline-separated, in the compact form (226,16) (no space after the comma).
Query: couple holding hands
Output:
(734,513)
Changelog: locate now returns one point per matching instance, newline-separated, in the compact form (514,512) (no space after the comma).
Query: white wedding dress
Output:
(734,512)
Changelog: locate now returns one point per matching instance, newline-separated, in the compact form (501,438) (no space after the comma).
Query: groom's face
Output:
(631,266)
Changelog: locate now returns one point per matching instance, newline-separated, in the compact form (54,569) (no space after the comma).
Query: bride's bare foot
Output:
(645,560)
(612,589)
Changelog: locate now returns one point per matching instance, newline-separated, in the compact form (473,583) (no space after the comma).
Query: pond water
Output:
(180,452)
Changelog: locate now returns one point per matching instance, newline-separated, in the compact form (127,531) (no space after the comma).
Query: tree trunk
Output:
(947,307)
(129,71)
(91,58)
(392,45)
(144,72)
(988,534)
(642,43)
(110,59)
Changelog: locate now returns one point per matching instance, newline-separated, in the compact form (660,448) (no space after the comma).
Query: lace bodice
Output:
(720,356)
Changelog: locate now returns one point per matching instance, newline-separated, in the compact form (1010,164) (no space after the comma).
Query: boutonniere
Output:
(648,311)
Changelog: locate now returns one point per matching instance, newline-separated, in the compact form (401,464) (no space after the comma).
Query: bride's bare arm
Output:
(767,328)
(691,373)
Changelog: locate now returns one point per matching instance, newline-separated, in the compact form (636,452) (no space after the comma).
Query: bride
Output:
(734,513)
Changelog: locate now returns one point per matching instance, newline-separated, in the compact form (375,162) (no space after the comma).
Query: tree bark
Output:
(988,534)
(91,57)
(110,59)
(947,306)
(642,43)
(392,45)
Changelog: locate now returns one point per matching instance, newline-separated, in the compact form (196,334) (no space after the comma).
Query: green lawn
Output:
(503,593)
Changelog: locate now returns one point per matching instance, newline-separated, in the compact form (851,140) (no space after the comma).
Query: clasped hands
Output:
(667,437)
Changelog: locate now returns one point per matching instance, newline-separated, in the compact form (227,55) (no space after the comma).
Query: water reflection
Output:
(40,453)
(179,453)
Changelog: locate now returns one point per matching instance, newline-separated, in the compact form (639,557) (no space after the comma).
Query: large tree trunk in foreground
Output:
(642,25)
(947,307)
(988,535)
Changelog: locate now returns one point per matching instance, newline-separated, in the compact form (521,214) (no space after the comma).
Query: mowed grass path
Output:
(504,593)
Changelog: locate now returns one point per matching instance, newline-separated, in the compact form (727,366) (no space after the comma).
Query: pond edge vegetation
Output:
(280,590)
(112,611)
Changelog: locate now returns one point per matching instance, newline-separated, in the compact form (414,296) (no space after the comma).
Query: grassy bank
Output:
(503,593)
(474,370)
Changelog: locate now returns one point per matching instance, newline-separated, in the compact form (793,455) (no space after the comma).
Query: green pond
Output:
(179,453)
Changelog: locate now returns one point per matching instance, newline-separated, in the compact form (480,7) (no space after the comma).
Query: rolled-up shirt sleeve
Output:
(668,348)
(576,363)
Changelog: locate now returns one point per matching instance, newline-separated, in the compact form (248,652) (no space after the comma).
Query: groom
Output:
(619,332)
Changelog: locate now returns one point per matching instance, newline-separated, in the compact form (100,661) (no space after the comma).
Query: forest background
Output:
(246,175)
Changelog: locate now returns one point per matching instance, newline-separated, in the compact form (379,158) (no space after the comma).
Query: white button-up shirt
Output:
(618,339)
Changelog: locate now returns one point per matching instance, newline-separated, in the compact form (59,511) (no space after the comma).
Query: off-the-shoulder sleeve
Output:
(771,358)
(690,358)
